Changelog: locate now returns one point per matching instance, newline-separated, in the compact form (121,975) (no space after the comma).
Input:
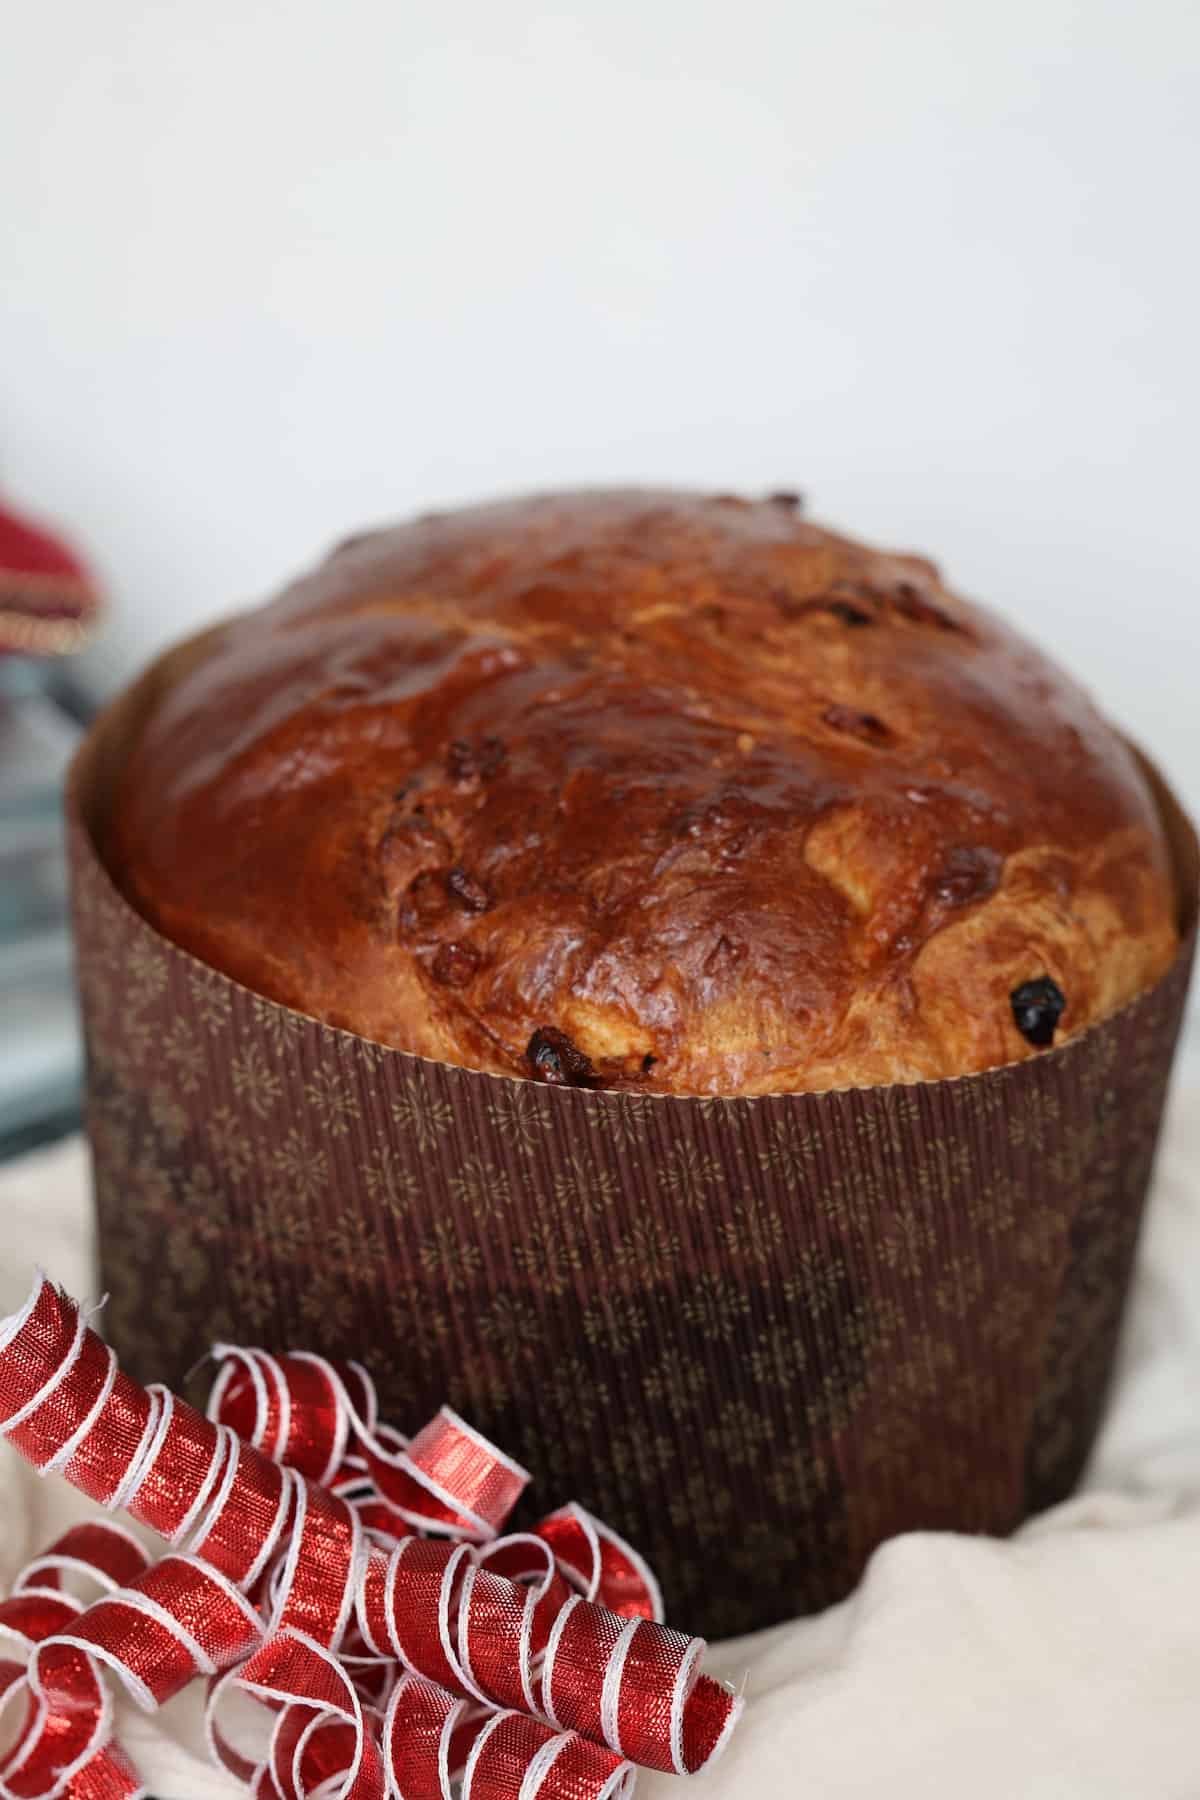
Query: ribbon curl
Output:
(352,1581)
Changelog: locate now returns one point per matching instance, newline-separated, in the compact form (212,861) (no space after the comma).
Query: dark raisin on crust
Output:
(1037,1008)
(850,615)
(968,873)
(862,725)
(789,497)
(553,1058)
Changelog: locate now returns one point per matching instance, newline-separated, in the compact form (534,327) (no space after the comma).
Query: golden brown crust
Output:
(732,804)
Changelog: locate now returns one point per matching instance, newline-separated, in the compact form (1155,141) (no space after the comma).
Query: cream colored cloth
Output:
(1064,1663)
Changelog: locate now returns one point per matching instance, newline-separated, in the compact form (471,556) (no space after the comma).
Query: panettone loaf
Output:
(648,790)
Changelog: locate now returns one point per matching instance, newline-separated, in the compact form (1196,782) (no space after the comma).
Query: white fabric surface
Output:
(1063,1663)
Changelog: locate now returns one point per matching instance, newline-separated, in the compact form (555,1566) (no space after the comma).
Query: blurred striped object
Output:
(48,600)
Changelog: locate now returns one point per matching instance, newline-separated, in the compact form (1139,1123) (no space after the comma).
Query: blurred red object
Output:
(48,600)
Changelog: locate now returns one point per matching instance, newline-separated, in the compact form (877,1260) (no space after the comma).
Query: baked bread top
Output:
(648,790)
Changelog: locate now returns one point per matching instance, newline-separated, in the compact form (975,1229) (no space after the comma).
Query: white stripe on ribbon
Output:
(556,1632)
(151,1609)
(341,1413)
(610,1694)
(535,1775)
(230,1356)
(137,1462)
(56,1380)
(476,1751)
(148,1452)
(228,1446)
(283,1401)
(62,1457)
(485,1444)
(679,1696)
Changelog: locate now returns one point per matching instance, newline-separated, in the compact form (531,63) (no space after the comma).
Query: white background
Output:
(272,271)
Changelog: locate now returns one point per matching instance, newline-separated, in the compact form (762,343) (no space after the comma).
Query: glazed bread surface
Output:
(652,791)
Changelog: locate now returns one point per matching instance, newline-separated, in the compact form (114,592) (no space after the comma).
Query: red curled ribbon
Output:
(354,1582)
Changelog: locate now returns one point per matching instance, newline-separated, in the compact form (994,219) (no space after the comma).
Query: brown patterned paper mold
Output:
(758,1335)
